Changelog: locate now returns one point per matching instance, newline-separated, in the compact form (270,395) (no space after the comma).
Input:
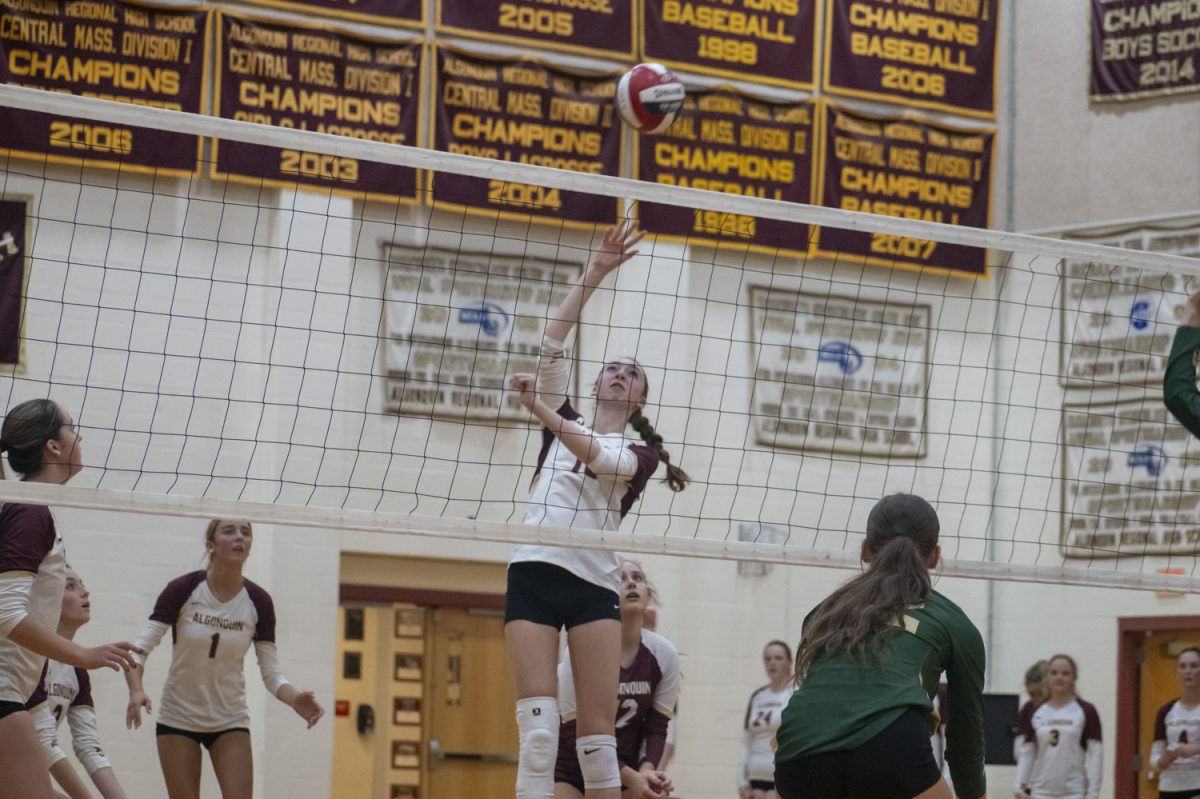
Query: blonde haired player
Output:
(1176,749)
(756,759)
(1061,756)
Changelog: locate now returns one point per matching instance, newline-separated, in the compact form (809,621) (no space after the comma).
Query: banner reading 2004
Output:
(318,79)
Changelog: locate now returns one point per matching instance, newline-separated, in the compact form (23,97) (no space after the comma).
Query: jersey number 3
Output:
(1054,737)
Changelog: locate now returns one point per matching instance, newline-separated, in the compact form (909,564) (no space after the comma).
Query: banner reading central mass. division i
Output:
(726,142)
(908,169)
(309,77)
(522,110)
(128,52)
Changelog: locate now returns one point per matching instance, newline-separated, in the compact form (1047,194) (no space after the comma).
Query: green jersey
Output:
(1179,385)
(845,702)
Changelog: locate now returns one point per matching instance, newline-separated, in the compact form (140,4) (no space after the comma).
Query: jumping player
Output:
(1061,755)
(214,615)
(66,692)
(42,445)
(1179,384)
(858,725)
(756,760)
(587,477)
(1176,749)
(646,697)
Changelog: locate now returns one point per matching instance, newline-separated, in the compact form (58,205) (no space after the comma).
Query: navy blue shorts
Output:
(8,708)
(547,594)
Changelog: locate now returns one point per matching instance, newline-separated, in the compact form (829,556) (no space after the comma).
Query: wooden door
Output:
(472,748)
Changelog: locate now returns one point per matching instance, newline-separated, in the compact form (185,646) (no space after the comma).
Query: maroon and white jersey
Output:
(567,493)
(33,576)
(1175,725)
(646,697)
(65,692)
(757,758)
(205,690)
(1061,755)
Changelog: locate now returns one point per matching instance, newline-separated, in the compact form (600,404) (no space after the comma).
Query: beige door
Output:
(1158,685)
(472,742)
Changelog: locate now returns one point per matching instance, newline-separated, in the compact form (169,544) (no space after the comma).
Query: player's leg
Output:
(179,757)
(563,790)
(596,662)
(21,759)
(941,790)
(533,663)
(233,761)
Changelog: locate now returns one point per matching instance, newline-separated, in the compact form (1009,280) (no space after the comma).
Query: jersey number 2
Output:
(212,650)
(627,710)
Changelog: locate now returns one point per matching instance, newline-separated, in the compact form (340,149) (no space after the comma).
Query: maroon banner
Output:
(939,56)
(410,13)
(744,39)
(112,50)
(528,112)
(1144,49)
(908,169)
(12,278)
(295,75)
(591,27)
(725,142)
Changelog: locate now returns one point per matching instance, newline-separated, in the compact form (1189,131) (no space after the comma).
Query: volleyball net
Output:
(313,351)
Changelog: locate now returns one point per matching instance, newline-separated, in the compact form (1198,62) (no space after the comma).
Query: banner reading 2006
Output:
(908,169)
(112,50)
(525,111)
(313,78)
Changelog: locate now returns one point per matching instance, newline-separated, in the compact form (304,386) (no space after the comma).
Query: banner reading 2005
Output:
(907,169)
(112,50)
(592,27)
(525,111)
(314,78)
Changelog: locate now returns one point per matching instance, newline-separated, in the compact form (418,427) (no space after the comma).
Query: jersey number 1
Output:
(212,650)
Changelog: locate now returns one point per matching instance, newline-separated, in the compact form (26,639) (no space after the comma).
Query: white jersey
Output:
(1061,755)
(756,761)
(567,493)
(33,576)
(65,692)
(205,690)
(1175,725)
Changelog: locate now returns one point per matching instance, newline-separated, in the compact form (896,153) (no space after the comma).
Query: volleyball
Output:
(649,97)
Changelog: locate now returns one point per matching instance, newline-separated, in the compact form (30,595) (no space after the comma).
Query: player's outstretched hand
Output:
(527,384)
(109,656)
(308,708)
(133,711)
(1191,311)
(615,248)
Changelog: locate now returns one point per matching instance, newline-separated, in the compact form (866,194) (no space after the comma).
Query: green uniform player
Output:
(1179,384)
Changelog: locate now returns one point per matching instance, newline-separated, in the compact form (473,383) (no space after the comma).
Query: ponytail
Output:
(676,478)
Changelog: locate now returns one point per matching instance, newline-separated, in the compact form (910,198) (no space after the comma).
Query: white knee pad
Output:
(537,721)
(598,761)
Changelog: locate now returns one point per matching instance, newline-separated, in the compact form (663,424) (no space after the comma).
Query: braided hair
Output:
(676,478)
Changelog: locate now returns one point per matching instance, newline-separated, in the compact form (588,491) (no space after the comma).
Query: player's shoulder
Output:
(1167,707)
(187,582)
(659,646)
(12,512)
(259,595)
(1087,707)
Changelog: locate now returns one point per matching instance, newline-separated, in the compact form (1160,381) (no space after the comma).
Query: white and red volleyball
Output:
(648,98)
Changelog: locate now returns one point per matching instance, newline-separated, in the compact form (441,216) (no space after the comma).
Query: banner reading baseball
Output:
(310,77)
(763,42)
(131,53)
(1143,48)
(913,170)
(602,28)
(937,54)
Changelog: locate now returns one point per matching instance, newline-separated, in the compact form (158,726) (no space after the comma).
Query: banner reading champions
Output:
(410,13)
(913,170)
(1144,49)
(941,56)
(528,112)
(725,142)
(120,51)
(753,40)
(304,76)
(601,28)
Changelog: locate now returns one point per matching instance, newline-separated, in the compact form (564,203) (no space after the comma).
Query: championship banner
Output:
(839,374)
(459,324)
(409,13)
(121,51)
(522,110)
(750,40)
(908,169)
(1118,322)
(1131,486)
(940,55)
(300,75)
(1144,48)
(602,28)
(725,142)
(12,278)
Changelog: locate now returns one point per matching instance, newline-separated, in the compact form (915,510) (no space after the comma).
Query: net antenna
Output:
(289,357)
